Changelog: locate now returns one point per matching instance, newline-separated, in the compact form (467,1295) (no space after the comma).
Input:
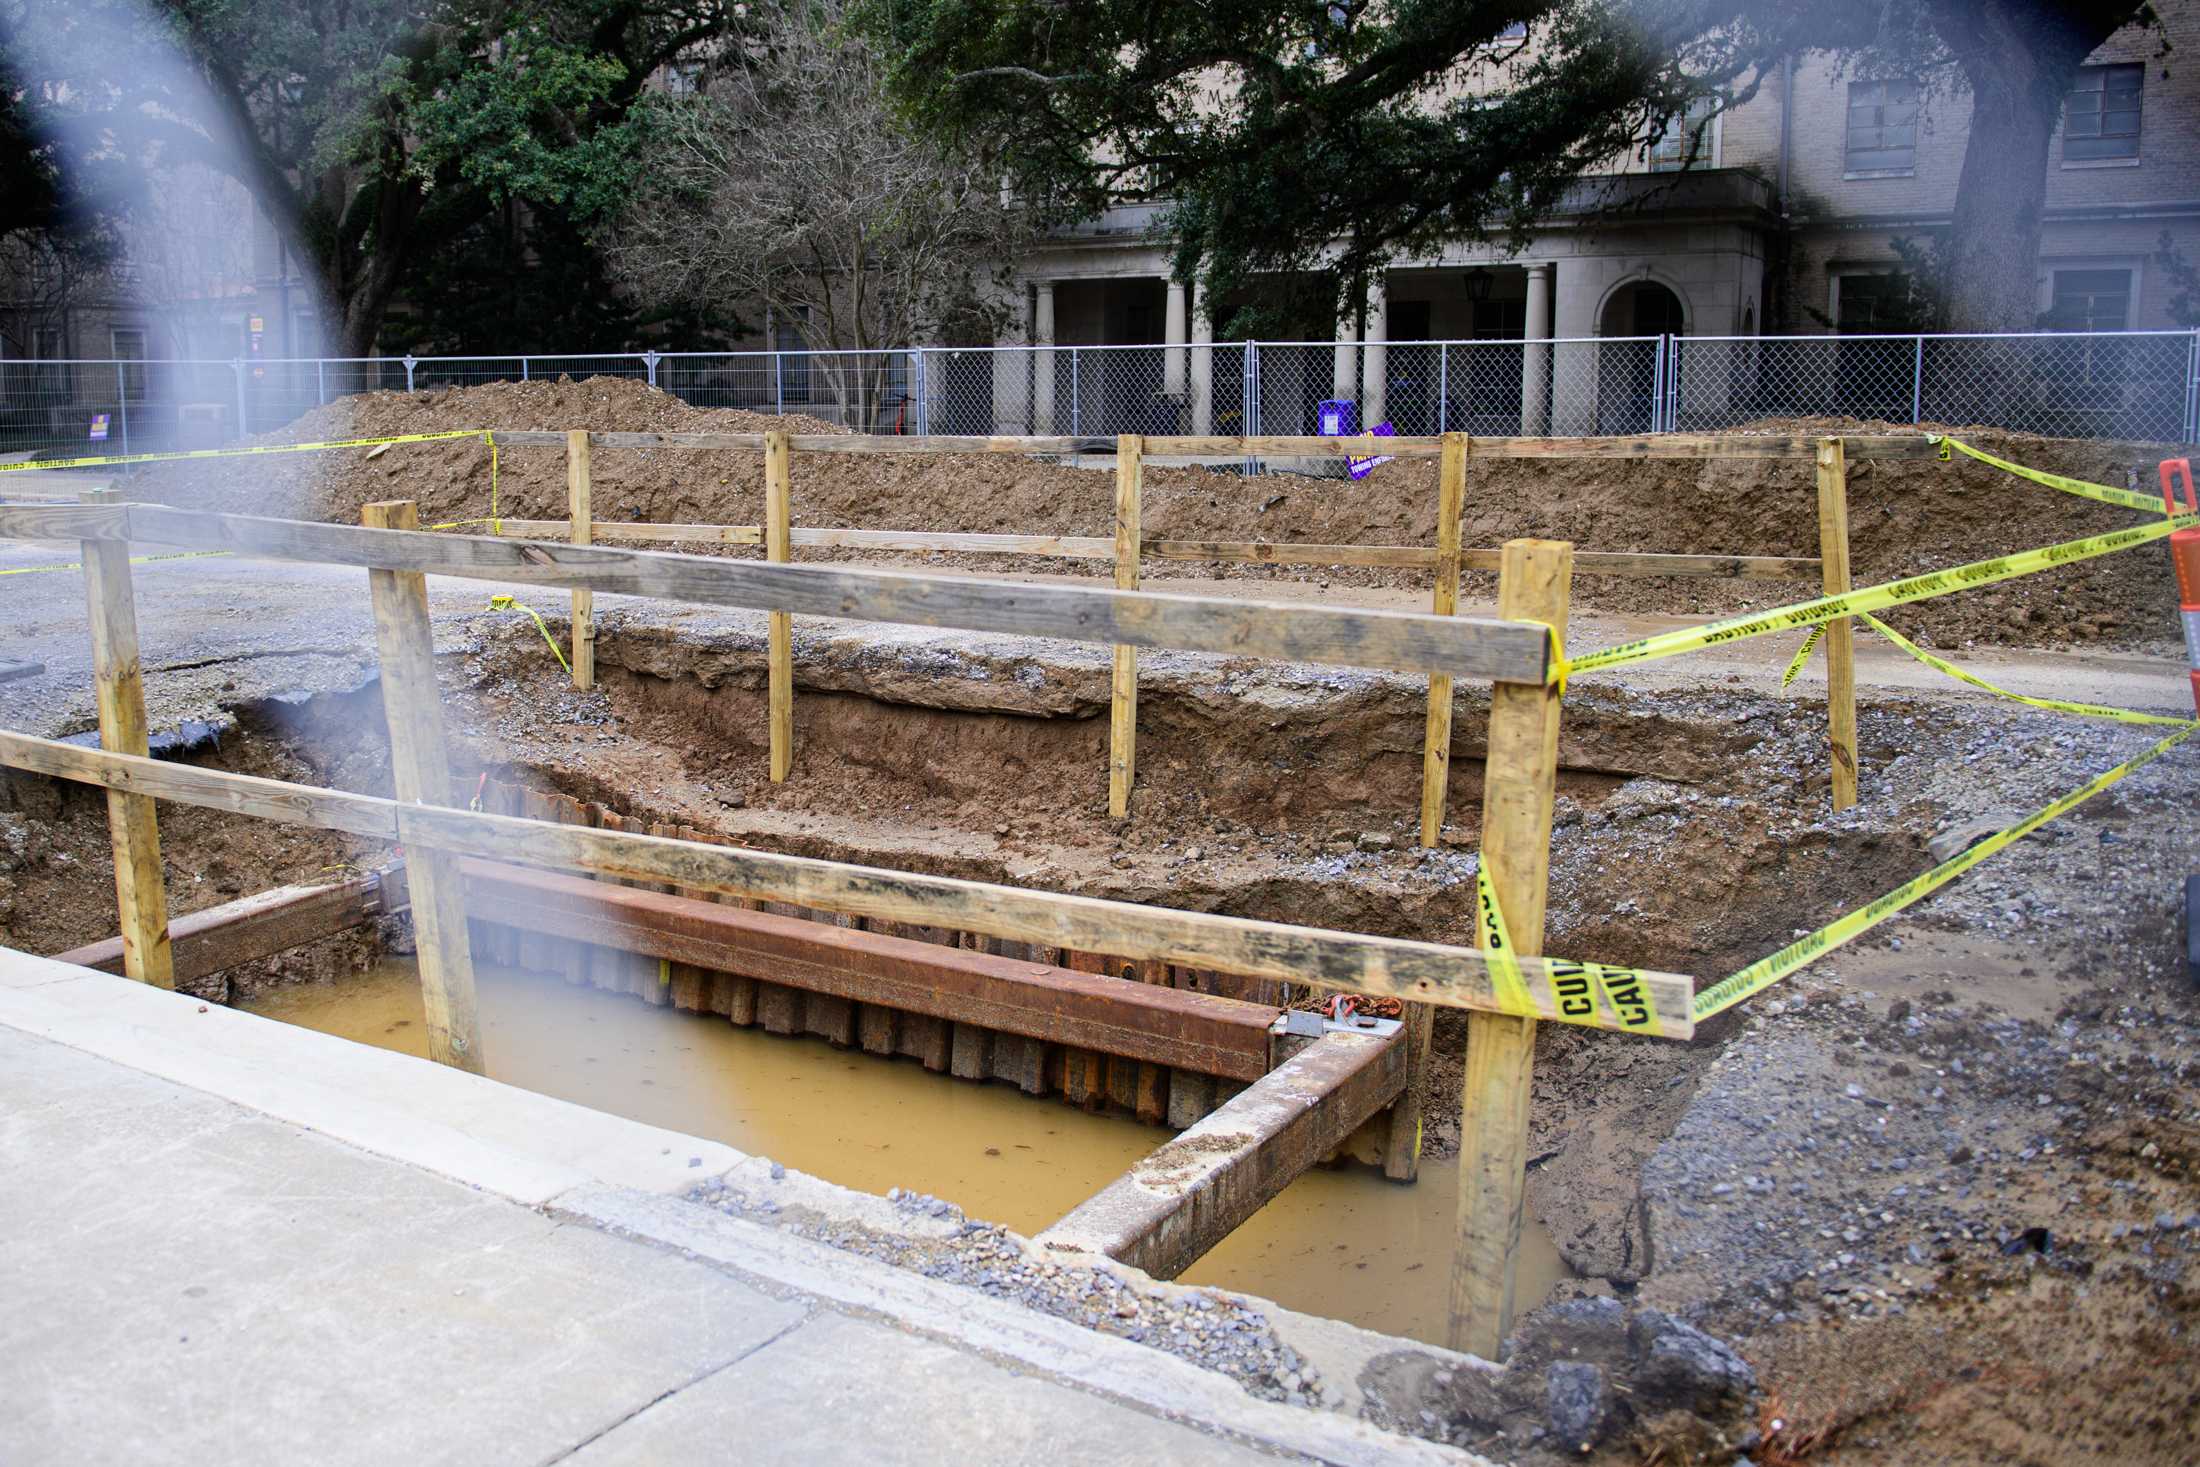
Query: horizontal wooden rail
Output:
(1228,552)
(1658,445)
(1425,972)
(1400,641)
(634,530)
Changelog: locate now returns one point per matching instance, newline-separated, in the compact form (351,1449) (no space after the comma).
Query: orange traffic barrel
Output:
(2184,551)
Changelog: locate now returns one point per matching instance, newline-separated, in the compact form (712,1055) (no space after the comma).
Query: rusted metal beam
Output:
(258,926)
(1167,1211)
(1164,1026)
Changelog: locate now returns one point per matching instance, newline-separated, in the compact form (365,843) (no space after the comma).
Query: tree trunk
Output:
(2020,58)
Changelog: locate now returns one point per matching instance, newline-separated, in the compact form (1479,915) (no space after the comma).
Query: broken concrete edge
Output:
(633,1178)
(1010,1334)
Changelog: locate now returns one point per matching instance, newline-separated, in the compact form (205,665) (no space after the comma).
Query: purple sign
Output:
(1360,468)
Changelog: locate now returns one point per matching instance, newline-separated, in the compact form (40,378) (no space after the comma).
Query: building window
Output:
(1865,304)
(684,78)
(2102,118)
(1500,320)
(56,379)
(1882,136)
(2090,300)
(129,343)
(1687,141)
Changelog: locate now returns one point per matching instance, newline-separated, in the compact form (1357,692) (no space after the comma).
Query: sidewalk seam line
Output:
(695,1380)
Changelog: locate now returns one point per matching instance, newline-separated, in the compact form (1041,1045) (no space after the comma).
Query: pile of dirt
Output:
(1906,516)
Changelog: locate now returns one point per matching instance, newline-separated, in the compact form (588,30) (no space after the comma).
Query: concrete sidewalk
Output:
(235,1241)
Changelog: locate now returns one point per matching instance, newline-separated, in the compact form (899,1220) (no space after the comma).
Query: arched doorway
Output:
(1627,368)
(1644,308)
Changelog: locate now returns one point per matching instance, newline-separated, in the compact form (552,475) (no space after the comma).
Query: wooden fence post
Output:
(1402,1148)
(778,545)
(1519,781)
(1130,483)
(413,708)
(582,515)
(1833,550)
(118,684)
(1451,498)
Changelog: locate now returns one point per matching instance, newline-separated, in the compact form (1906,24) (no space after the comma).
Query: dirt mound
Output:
(1906,517)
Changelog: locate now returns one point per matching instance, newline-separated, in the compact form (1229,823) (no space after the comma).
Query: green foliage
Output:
(1307,144)
(374,132)
(2184,280)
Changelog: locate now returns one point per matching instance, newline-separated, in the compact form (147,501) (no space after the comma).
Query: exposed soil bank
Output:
(1906,517)
(1893,1092)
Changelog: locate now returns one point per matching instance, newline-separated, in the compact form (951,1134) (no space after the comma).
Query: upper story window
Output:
(1882,135)
(1687,141)
(2102,118)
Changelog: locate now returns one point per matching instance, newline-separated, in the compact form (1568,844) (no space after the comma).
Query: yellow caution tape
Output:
(486,435)
(2057,705)
(77,565)
(1576,988)
(1802,655)
(1762,974)
(248,451)
(513,603)
(2124,498)
(1877,598)
(1490,935)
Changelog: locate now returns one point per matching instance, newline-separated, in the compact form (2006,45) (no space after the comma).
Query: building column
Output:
(1202,370)
(1535,356)
(1345,377)
(1042,358)
(1172,335)
(1376,367)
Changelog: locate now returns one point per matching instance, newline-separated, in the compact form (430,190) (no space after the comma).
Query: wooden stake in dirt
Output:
(1402,1148)
(1519,781)
(118,685)
(577,492)
(778,474)
(1833,551)
(414,710)
(1130,482)
(1451,498)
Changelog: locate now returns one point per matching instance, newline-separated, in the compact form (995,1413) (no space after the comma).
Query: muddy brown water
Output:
(1343,1243)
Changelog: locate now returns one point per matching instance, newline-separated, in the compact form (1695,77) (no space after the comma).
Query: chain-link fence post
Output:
(2192,390)
(1249,407)
(1076,397)
(244,430)
(320,382)
(779,383)
(649,366)
(122,406)
(1443,389)
(923,394)
(411,362)
(1917,382)
(523,373)
(1660,369)
(1674,382)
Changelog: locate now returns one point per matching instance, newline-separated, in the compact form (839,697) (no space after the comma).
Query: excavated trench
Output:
(1686,825)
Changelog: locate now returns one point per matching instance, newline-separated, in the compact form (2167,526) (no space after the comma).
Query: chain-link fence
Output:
(2137,385)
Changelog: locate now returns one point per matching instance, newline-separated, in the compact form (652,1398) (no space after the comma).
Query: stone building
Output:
(1784,221)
